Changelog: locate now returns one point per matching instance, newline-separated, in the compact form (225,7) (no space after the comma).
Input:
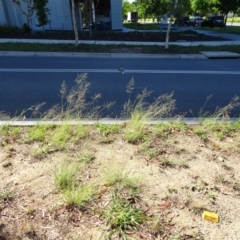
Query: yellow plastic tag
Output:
(210,216)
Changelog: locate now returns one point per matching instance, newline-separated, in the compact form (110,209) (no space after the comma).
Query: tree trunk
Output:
(173,3)
(225,21)
(74,23)
(168,33)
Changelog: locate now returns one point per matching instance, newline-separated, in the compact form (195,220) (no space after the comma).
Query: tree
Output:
(200,6)
(127,7)
(226,6)
(74,23)
(183,7)
(29,11)
(157,8)
(34,6)
(42,12)
(173,5)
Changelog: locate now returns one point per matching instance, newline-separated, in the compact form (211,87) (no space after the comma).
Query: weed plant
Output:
(221,128)
(80,195)
(10,131)
(74,104)
(222,113)
(65,134)
(41,151)
(108,129)
(30,211)
(5,195)
(65,176)
(201,132)
(164,129)
(140,112)
(86,158)
(75,194)
(115,178)
(38,132)
(121,216)
(61,135)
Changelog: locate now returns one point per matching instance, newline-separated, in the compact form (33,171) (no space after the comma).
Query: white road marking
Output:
(21,70)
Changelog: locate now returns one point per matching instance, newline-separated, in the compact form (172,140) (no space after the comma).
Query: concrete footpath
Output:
(178,43)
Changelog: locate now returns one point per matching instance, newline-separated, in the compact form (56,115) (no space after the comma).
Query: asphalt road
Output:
(26,81)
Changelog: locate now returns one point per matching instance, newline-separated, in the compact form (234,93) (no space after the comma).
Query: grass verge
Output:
(36,47)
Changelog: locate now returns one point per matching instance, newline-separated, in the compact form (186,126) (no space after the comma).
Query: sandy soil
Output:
(185,174)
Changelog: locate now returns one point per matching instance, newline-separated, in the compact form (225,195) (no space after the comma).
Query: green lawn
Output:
(229,29)
(155,26)
(142,26)
(36,47)
(235,19)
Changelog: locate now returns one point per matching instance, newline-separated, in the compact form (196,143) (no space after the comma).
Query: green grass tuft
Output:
(121,216)
(65,176)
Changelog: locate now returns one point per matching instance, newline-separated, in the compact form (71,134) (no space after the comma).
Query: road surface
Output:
(26,81)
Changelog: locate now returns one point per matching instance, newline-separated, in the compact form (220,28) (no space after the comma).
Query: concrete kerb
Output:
(17,53)
(140,55)
(101,55)
(72,54)
(189,121)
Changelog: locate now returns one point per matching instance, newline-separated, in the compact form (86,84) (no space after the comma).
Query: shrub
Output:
(7,29)
(26,28)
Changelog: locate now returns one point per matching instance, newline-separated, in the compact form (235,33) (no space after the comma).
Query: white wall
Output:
(60,14)
(2,14)
(15,14)
(116,14)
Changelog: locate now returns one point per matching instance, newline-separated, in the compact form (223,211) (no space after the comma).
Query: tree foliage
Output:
(127,7)
(155,8)
(29,9)
(200,6)
(42,12)
(34,6)
(225,6)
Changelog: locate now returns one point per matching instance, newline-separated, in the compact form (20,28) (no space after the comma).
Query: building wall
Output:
(12,13)
(9,15)
(2,13)
(116,14)
(60,15)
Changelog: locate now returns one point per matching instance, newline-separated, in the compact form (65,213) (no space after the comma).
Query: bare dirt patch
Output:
(178,172)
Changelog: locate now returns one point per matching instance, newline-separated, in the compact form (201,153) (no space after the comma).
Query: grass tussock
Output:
(121,216)
(73,102)
(6,195)
(75,193)
(114,177)
(140,111)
